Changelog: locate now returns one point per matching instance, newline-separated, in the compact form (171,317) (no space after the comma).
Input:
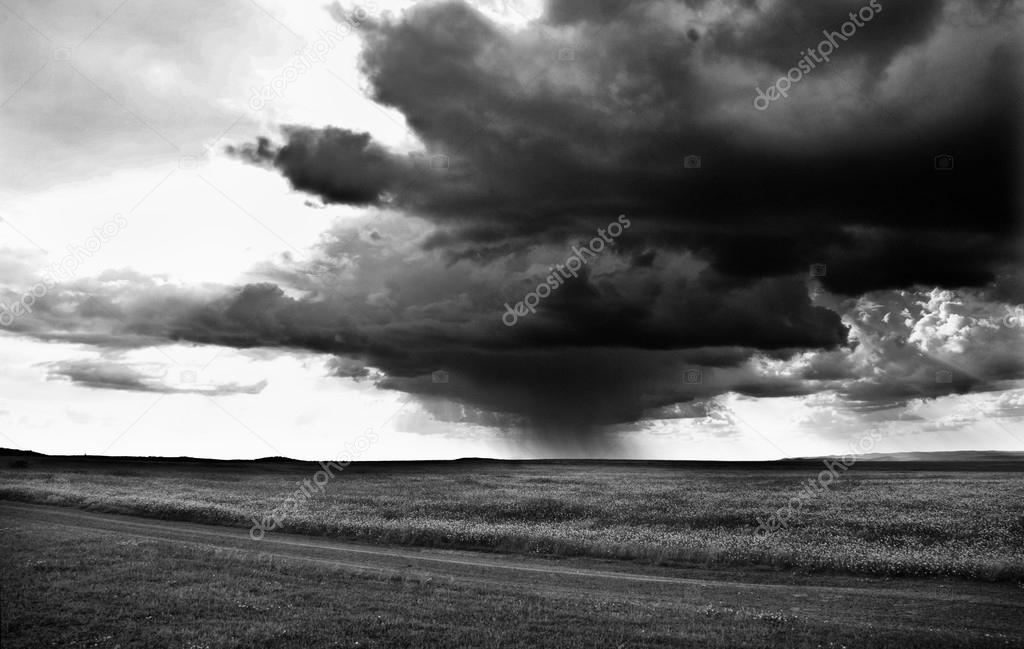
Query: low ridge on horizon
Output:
(913,456)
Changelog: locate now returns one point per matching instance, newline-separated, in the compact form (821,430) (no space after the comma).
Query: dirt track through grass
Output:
(994,611)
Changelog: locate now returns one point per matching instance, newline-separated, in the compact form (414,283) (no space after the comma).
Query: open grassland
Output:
(874,520)
(71,587)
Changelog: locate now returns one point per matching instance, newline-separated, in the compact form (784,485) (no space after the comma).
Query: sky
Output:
(665,229)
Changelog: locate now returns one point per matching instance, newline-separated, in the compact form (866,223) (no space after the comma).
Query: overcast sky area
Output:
(263,227)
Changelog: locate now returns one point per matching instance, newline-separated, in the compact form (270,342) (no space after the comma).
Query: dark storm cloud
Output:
(609,347)
(669,313)
(340,166)
(396,319)
(555,375)
(795,23)
(564,12)
(537,137)
(537,147)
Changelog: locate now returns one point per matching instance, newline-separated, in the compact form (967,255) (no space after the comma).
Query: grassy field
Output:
(67,587)
(876,520)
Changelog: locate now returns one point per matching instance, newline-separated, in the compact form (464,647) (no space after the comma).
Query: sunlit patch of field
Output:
(960,523)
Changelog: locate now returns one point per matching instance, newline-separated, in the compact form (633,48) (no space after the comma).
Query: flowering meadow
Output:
(875,520)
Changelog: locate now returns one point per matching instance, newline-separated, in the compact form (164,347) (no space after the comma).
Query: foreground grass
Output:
(64,587)
(883,522)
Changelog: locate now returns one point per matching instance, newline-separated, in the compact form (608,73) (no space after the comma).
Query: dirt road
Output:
(968,607)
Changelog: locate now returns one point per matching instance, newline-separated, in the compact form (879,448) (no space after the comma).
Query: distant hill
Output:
(917,457)
(9,452)
(938,456)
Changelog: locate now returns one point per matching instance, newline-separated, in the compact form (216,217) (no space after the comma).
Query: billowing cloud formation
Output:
(395,313)
(344,167)
(551,130)
(536,138)
(918,344)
